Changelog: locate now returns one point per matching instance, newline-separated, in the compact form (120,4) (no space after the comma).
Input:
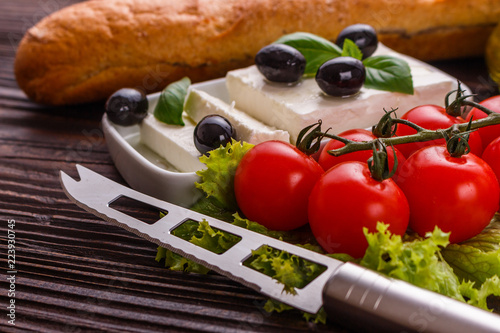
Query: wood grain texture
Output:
(77,273)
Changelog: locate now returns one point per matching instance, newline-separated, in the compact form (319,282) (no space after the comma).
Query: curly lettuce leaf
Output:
(254,226)
(490,287)
(211,207)
(417,261)
(292,236)
(289,269)
(201,234)
(217,180)
(176,262)
(422,263)
(480,297)
(274,306)
(478,258)
(213,239)
(472,264)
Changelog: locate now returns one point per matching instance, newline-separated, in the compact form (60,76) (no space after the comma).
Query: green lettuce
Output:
(274,306)
(177,262)
(212,207)
(421,261)
(217,180)
(287,236)
(291,270)
(201,234)
(417,261)
(486,297)
(213,239)
(478,258)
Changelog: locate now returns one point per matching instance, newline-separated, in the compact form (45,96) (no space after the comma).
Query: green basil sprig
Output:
(388,73)
(350,49)
(315,49)
(171,102)
(382,72)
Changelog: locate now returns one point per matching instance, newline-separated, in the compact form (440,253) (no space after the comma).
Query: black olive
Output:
(342,76)
(127,107)
(363,35)
(280,63)
(212,132)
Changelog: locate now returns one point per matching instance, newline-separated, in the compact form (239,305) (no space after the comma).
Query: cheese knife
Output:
(351,295)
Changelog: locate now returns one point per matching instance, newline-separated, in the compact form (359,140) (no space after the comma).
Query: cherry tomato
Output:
(491,155)
(488,133)
(432,117)
(346,199)
(327,161)
(272,184)
(458,194)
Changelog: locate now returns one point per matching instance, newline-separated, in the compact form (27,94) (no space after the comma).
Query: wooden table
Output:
(77,273)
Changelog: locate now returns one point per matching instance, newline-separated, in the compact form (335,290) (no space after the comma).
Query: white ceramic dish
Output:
(146,171)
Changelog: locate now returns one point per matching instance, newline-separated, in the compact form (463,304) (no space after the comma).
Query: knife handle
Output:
(368,301)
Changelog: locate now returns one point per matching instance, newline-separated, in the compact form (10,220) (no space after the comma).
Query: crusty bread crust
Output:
(86,51)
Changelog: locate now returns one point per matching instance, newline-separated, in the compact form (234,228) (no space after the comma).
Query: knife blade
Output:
(351,295)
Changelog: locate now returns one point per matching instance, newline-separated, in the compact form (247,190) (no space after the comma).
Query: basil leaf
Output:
(171,102)
(315,49)
(350,49)
(388,73)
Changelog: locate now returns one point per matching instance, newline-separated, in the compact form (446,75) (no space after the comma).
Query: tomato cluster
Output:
(458,194)
(282,188)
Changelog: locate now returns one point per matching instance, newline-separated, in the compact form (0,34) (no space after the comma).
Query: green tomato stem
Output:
(423,135)
(478,106)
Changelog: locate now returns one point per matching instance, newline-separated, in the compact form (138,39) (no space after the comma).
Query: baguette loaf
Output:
(86,51)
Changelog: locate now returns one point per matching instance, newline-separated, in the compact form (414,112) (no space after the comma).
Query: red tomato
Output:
(272,184)
(432,117)
(458,194)
(346,199)
(488,133)
(327,161)
(491,155)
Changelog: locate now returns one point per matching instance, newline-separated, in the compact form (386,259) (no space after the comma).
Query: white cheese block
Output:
(292,108)
(200,104)
(174,143)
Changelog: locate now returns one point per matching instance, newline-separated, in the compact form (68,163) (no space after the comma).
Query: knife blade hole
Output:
(137,209)
(205,236)
(292,270)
